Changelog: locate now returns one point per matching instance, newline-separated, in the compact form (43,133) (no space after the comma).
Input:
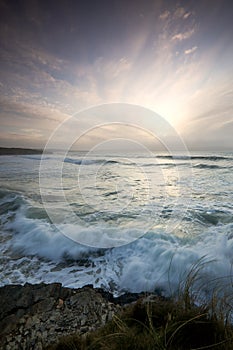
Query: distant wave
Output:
(95,161)
(108,160)
(89,161)
(209,166)
(198,157)
(36,157)
(165,164)
(80,161)
(155,164)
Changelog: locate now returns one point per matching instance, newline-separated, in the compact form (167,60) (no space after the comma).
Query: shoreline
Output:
(36,315)
(52,317)
(5,151)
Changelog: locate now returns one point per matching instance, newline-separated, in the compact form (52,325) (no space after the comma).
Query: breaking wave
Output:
(156,260)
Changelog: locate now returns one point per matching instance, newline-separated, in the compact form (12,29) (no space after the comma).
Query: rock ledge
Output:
(33,316)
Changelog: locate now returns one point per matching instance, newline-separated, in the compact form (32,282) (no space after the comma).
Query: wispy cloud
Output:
(187,14)
(179,12)
(112,69)
(164,15)
(184,35)
(189,51)
(208,120)
(152,65)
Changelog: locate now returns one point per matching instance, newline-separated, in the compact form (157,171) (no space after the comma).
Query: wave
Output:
(209,166)
(37,157)
(165,164)
(210,217)
(170,165)
(107,161)
(89,161)
(156,260)
(197,157)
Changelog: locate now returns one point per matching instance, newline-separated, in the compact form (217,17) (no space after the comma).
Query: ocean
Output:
(123,222)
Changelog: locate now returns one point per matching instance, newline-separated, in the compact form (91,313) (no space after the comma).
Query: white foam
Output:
(38,237)
(157,260)
(164,264)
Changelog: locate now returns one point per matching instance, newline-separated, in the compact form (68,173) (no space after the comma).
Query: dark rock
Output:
(128,298)
(37,315)
(16,151)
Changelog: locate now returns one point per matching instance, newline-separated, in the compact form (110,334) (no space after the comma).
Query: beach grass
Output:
(158,323)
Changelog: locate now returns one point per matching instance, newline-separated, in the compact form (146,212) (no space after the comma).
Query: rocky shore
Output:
(4,151)
(34,316)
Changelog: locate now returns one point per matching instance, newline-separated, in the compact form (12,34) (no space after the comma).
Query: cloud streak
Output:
(162,57)
(184,35)
(189,51)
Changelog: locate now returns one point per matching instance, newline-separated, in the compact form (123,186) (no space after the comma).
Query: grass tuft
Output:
(158,323)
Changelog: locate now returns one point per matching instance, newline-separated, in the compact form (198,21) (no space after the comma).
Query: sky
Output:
(174,58)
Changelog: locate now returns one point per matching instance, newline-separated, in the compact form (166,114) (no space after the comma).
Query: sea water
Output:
(123,222)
